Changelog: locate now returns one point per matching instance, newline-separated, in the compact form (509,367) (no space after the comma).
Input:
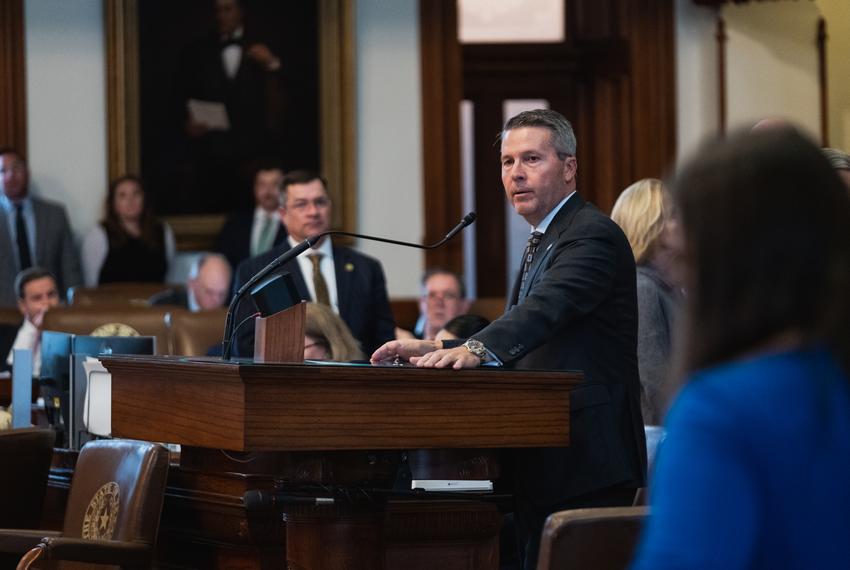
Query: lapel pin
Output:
(349,267)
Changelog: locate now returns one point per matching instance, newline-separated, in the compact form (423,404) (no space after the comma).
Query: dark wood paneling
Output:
(441,95)
(13,111)
(613,77)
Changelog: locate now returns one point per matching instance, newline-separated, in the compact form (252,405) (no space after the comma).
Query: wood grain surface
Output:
(276,407)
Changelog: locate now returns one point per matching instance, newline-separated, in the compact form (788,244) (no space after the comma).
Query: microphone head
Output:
(469,218)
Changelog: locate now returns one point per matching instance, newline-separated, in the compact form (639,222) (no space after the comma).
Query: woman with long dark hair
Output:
(129,244)
(753,472)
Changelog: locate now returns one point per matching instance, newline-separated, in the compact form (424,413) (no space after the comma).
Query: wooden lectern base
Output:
(206,525)
(279,338)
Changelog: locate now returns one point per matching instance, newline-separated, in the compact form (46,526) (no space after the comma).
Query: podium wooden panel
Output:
(251,426)
(285,407)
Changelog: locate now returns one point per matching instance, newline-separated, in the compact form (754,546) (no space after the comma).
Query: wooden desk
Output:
(343,430)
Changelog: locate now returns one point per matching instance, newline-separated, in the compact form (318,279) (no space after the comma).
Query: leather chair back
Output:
(488,307)
(10,316)
(117,491)
(114,294)
(195,333)
(25,455)
(147,321)
(602,539)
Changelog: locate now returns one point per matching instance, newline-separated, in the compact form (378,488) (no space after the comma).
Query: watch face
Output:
(475,347)
(115,329)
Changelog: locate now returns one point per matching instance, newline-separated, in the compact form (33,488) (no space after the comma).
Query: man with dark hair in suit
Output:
(573,307)
(32,232)
(253,232)
(351,283)
(37,293)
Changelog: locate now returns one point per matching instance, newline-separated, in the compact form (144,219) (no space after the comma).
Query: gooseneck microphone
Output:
(294,252)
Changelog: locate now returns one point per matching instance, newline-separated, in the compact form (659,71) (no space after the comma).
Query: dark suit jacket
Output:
(234,239)
(8,332)
(54,251)
(579,312)
(361,288)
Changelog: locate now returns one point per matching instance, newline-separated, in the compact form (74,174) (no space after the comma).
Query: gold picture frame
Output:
(336,108)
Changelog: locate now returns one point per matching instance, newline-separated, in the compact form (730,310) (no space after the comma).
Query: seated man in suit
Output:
(207,288)
(573,307)
(37,292)
(33,232)
(250,233)
(351,283)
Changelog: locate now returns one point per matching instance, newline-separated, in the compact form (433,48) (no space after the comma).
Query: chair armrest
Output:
(20,540)
(116,552)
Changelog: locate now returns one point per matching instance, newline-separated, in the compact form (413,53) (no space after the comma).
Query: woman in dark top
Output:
(129,244)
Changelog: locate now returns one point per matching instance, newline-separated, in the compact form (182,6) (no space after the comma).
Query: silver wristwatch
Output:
(476,347)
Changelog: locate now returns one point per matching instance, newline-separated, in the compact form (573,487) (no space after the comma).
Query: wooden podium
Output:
(341,431)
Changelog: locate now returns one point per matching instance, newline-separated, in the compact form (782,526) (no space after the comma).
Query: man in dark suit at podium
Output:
(351,283)
(573,307)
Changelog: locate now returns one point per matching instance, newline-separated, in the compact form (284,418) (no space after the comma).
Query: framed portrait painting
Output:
(203,92)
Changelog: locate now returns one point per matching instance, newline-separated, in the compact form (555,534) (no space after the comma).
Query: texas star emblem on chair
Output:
(112,515)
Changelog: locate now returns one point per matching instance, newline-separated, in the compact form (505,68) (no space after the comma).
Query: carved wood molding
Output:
(338,120)
(722,38)
(441,95)
(13,110)
(122,87)
(823,84)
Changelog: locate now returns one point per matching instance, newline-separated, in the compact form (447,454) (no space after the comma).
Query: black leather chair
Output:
(25,455)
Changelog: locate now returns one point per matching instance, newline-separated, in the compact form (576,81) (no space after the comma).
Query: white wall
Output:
(697,112)
(389,137)
(66,106)
(772,63)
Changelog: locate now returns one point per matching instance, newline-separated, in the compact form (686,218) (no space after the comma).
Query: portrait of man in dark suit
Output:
(227,82)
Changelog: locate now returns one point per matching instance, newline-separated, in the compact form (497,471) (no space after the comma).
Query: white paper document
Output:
(97,408)
(211,114)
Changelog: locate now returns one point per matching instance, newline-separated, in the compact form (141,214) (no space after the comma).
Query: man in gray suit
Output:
(32,232)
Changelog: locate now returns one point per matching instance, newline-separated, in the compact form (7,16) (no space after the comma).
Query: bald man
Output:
(207,287)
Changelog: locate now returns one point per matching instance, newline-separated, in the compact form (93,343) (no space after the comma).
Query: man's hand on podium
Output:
(399,351)
(425,354)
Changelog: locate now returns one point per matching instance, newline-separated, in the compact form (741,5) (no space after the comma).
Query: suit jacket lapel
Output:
(553,233)
(344,269)
(40,236)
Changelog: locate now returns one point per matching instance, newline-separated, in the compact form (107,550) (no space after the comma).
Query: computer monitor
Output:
(61,391)
(83,347)
(55,378)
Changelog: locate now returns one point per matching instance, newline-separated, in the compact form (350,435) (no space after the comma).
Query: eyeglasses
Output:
(442,296)
(318,203)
